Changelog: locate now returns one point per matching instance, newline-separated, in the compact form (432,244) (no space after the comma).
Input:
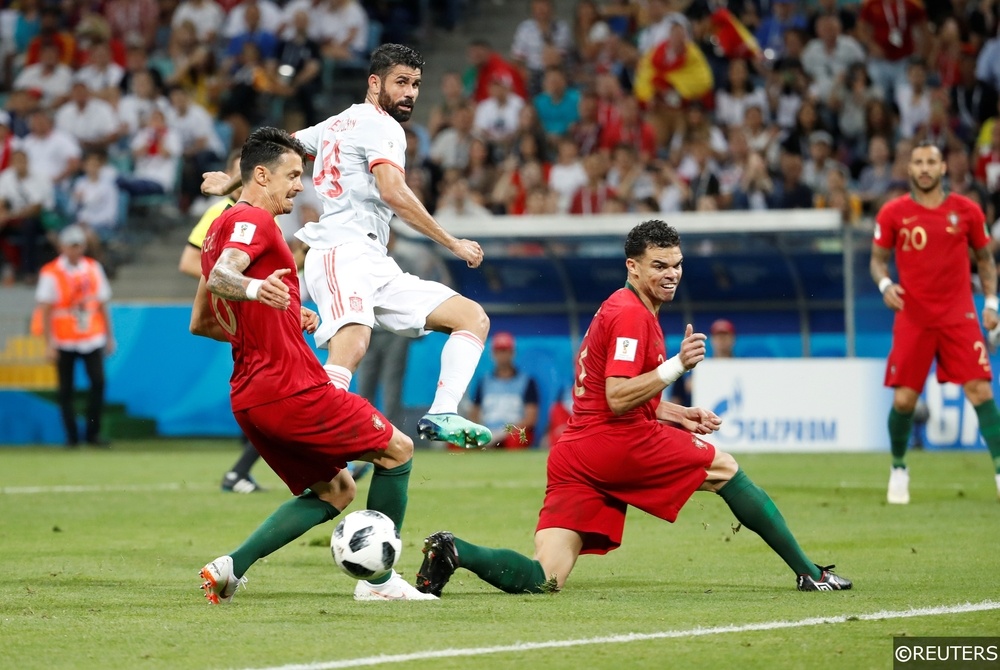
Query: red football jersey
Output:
(932,254)
(271,359)
(624,340)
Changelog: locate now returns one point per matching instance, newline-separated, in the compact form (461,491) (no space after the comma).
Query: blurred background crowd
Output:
(112,109)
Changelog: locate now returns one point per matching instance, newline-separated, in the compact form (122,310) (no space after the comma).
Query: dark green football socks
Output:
(287,523)
(503,568)
(755,510)
(900,427)
(989,428)
(388,492)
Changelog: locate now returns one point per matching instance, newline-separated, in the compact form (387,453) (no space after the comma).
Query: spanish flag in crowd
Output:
(733,38)
(661,69)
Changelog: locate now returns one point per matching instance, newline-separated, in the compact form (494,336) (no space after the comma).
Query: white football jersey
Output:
(347,146)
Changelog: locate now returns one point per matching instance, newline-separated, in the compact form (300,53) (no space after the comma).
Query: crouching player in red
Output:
(305,428)
(599,466)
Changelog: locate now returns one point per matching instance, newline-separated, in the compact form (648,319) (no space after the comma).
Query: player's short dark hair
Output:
(266,146)
(652,233)
(389,56)
(927,144)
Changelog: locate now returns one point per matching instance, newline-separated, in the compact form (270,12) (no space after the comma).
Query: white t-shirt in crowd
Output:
(134,111)
(498,121)
(345,19)
(33,189)
(96,201)
(50,155)
(53,85)
(270,18)
(162,166)
(196,124)
(95,121)
(565,180)
(98,79)
(207,17)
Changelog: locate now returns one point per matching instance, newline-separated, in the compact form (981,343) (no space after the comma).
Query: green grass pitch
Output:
(99,563)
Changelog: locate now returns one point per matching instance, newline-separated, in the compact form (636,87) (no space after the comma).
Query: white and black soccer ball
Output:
(365,544)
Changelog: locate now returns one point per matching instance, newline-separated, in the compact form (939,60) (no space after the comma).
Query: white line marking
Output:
(101,488)
(639,637)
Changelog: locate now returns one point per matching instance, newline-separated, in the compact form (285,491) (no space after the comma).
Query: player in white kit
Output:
(359,177)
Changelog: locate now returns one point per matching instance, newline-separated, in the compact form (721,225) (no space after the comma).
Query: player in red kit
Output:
(931,233)
(624,447)
(304,428)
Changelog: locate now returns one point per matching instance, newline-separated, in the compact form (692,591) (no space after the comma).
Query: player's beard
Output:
(392,108)
(935,183)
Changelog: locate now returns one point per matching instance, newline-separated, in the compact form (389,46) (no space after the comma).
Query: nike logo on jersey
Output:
(907,220)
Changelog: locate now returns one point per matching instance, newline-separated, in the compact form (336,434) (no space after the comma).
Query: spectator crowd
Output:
(703,105)
(109,105)
(615,106)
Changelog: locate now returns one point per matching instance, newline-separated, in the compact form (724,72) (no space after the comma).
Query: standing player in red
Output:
(931,232)
(599,467)
(305,428)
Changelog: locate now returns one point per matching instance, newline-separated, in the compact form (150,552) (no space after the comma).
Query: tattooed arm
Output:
(203,321)
(228,281)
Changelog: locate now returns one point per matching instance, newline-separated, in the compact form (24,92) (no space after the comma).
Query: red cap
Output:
(503,341)
(722,326)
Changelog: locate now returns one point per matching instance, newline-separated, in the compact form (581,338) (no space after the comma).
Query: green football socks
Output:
(287,523)
(989,428)
(900,427)
(505,569)
(755,510)
(388,494)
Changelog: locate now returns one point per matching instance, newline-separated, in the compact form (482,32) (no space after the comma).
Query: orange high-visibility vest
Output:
(76,314)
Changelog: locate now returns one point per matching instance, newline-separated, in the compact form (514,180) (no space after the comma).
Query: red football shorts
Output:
(959,348)
(309,437)
(592,479)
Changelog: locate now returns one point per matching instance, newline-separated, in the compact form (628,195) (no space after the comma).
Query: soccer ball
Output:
(365,544)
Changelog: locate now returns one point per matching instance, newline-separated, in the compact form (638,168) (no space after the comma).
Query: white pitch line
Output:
(637,637)
(100,488)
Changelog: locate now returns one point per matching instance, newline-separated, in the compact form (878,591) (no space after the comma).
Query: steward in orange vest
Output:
(72,316)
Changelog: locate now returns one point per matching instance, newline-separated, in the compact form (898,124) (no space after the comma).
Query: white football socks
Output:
(339,376)
(459,359)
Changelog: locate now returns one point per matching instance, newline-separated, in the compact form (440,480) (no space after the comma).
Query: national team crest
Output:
(355,303)
(377,423)
(953,218)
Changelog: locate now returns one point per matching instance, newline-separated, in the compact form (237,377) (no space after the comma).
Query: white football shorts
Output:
(357,282)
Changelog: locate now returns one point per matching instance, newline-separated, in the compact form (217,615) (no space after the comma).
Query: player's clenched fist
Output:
(469,251)
(214,183)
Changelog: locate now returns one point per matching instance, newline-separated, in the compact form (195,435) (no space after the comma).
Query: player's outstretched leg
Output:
(505,569)
(289,522)
(468,325)
(757,512)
